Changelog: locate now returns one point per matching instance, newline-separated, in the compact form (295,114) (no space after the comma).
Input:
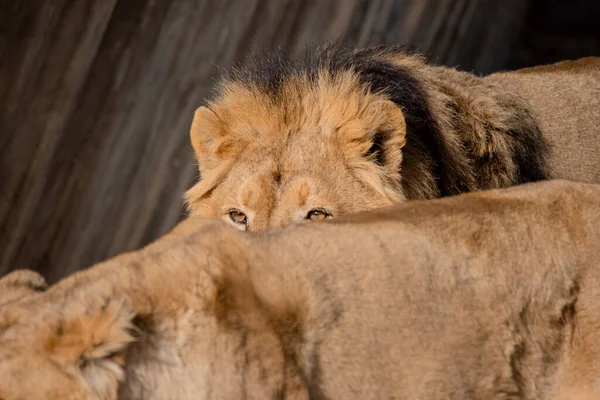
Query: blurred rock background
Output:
(96,96)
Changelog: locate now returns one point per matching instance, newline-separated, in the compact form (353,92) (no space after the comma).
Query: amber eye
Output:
(317,214)
(238,217)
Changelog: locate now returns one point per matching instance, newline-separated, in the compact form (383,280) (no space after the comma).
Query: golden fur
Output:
(491,295)
(348,132)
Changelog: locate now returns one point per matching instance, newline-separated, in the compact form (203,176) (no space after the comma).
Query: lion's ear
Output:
(388,136)
(205,132)
(214,151)
(20,283)
(212,140)
(373,143)
(377,135)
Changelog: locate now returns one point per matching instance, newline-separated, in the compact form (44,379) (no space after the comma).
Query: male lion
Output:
(491,295)
(339,132)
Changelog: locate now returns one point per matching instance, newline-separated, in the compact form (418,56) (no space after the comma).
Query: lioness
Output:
(492,295)
(339,132)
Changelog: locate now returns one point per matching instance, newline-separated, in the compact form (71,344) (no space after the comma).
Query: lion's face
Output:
(319,150)
(307,180)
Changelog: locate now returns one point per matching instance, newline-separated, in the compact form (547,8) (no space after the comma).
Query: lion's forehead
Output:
(301,105)
(269,186)
(306,155)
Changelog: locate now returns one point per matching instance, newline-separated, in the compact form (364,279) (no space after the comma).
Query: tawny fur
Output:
(20,283)
(77,356)
(353,131)
(491,295)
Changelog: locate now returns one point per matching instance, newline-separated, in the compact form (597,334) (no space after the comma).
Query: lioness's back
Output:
(456,289)
(566,99)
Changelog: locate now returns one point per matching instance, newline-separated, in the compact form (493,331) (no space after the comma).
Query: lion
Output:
(339,131)
(487,295)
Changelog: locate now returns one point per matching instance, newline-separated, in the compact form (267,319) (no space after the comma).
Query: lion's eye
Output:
(317,214)
(238,217)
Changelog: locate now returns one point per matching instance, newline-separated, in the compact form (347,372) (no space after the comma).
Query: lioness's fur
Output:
(342,132)
(493,295)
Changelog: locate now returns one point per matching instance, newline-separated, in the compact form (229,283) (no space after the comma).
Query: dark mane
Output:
(424,146)
(428,159)
(268,70)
